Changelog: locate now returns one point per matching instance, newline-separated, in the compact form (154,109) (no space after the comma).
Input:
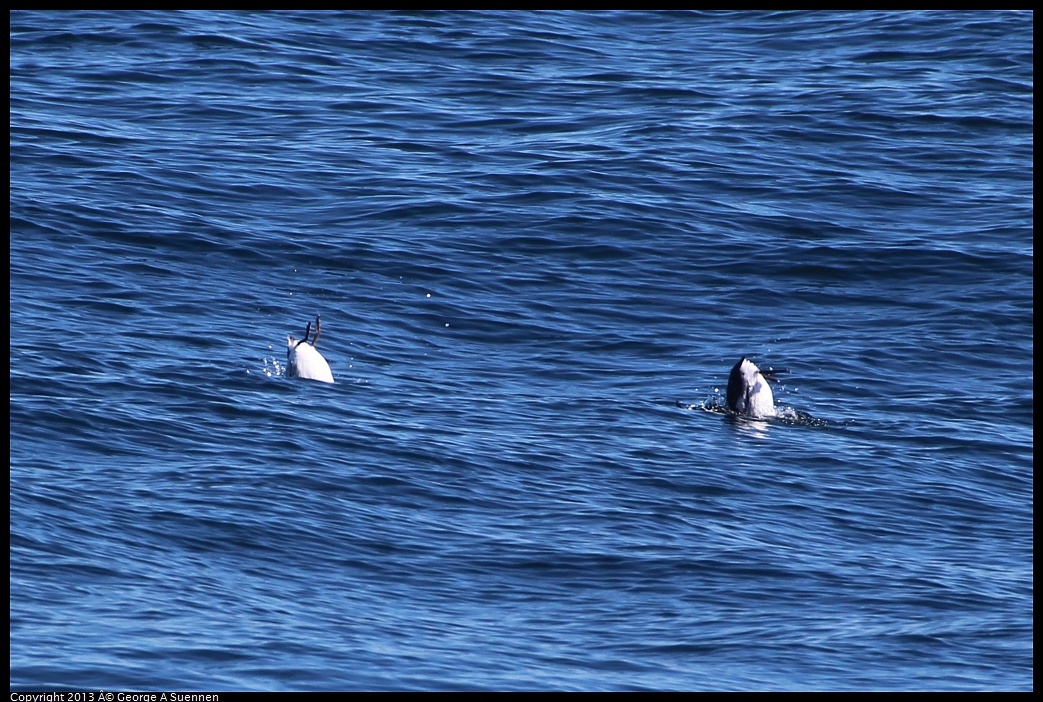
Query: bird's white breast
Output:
(305,361)
(760,402)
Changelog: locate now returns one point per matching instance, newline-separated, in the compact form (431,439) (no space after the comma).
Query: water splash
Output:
(272,367)
(783,415)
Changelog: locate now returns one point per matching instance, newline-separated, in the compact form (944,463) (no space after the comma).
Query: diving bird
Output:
(303,360)
(748,389)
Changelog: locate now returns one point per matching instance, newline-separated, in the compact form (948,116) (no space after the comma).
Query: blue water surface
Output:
(538,243)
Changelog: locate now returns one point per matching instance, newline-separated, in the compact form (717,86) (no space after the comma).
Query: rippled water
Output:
(538,243)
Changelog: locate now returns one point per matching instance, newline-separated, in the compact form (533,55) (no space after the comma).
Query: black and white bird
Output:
(748,390)
(303,360)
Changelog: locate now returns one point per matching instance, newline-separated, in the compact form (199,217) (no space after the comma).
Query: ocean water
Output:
(538,243)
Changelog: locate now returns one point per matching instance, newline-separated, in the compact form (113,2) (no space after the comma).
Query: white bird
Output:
(748,389)
(303,360)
